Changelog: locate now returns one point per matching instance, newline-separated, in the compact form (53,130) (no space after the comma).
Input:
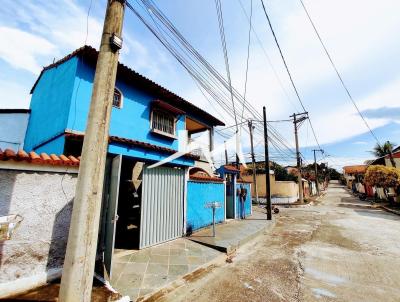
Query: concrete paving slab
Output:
(138,273)
(234,233)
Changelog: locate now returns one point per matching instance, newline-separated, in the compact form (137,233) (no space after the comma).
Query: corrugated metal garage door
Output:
(162,205)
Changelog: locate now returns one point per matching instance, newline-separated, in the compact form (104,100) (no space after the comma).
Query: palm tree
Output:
(385,149)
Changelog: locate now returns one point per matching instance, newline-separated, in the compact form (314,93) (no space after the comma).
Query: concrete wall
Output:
(198,193)
(286,188)
(36,249)
(388,163)
(278,188)
(261,184)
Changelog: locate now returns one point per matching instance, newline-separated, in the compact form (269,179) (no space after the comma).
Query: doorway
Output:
(230,196)
(129,204)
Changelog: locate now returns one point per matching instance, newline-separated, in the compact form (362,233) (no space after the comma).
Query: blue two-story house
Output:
(148,205)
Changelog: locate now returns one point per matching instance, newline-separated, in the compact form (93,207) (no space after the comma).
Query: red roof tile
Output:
(355,169)
(42,159)
(231,168)
(206,178)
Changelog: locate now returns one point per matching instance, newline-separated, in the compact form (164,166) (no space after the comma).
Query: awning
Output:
(167,107)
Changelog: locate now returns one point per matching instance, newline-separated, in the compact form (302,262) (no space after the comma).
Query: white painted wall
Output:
(12,130)
(37,246)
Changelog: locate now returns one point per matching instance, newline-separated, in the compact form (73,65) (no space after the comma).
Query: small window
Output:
(163,122)
(117,98)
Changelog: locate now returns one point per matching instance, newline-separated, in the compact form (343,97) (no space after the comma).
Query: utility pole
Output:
(316,168)
(226,154)
(77,277)
(297,119)
(267,180)
(253,160)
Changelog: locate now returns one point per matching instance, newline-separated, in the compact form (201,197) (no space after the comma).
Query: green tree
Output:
(385,149)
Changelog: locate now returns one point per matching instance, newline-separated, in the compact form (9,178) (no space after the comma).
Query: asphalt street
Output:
(339,249)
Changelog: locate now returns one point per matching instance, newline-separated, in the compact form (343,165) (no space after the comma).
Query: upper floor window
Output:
(163,123)
(117,98)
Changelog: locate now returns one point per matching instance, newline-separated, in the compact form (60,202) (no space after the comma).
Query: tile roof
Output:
(231,168)
(40,159)
(355,169)
(206,178)
(136,143)
(199,174)
(132,76)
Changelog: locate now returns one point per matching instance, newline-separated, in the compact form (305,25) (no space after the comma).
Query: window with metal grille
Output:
(163,122)
(117,98)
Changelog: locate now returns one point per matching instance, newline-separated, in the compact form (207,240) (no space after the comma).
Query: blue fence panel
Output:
(198,194)
(247,202)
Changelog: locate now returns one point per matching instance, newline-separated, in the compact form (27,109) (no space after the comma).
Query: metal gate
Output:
(162,205)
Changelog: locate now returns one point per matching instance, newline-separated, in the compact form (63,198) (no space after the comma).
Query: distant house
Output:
(13,123)
(354,174)
(385,160)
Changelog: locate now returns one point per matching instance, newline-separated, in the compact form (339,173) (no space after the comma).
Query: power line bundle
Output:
(210,82)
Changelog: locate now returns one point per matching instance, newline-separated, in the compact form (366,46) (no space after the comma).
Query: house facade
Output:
(142,206)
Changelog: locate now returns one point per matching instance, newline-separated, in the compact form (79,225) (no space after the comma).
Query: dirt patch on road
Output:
(332,234)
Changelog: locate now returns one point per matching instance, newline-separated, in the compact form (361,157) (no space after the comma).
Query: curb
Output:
(234,246)
(390,210)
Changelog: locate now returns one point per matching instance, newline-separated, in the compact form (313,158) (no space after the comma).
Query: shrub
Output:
(382,176)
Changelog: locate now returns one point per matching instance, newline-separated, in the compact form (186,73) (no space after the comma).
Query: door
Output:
(230,196)
(111,215)
(162,205)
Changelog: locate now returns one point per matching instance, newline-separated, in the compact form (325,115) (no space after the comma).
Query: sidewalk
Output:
(234,233)
(143,274)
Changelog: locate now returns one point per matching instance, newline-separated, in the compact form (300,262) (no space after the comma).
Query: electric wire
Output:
(218,7)
(248,55)
(288,71)
(208,84)
(337,72)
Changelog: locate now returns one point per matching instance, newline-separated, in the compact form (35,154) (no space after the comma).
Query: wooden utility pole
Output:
(77,277)
(296,121)
(253,160)
(316,169)
(267,179)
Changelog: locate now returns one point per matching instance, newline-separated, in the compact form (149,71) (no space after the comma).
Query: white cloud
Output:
(21,49)
(13,95)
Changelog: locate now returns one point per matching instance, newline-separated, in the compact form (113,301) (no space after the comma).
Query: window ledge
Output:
(156,131)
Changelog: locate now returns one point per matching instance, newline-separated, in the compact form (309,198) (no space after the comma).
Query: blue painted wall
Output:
(198,193)
(247,202)
(50,105)
(131,121)
(61,101)
(55,146)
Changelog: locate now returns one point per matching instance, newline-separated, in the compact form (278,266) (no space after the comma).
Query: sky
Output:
(361,35)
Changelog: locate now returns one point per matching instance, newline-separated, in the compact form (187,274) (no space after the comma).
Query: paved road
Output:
(337,250)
